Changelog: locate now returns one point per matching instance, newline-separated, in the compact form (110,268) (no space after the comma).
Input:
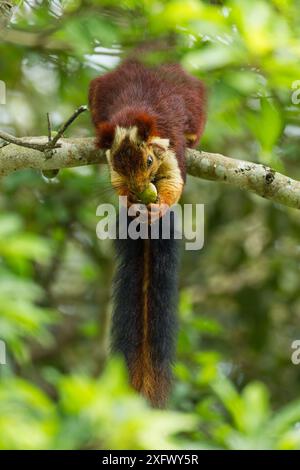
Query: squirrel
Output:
(146,118)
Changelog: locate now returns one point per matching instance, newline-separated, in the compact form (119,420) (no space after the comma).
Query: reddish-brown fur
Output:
(168,103)
(163,101)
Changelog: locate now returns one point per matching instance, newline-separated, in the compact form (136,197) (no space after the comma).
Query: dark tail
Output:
(144,318)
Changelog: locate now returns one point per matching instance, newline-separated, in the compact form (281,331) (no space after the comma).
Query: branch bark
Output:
(248,176)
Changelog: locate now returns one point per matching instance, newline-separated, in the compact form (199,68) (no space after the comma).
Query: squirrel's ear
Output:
(159,145)
(105,135)
(146,126)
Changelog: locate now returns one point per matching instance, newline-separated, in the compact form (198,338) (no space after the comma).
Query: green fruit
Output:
(149,195)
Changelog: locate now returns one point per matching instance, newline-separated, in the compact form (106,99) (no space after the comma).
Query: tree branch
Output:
(72,152)
(248,176)
(37,144)
(33,143)
(256,178)
(65,126)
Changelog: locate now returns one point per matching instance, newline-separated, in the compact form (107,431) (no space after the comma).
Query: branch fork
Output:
(51,144)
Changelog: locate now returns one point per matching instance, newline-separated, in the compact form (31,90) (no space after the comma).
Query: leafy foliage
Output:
(235,385)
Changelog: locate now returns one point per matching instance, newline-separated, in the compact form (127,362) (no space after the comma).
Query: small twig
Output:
(52,143)
(64,127)
(49,127)
(23,143)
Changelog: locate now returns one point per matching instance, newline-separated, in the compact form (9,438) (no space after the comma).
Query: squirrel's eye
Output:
(149,161)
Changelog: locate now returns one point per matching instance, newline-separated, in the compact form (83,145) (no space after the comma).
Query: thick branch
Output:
(72,152)
(248,176)
(259,179)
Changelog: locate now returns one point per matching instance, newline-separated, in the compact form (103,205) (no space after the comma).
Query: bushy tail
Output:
(144,318)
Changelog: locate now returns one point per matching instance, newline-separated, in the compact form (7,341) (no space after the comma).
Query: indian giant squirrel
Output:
(145,118)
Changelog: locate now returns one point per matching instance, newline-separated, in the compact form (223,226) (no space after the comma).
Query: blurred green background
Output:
(235,385)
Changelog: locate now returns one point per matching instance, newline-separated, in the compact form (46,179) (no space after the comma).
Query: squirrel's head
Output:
(135,152)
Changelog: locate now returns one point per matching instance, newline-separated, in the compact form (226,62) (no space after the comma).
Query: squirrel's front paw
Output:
(155,211)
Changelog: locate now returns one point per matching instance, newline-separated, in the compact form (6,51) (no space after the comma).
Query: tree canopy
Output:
(235,384)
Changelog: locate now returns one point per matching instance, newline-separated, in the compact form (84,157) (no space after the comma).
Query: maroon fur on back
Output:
(163,101)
